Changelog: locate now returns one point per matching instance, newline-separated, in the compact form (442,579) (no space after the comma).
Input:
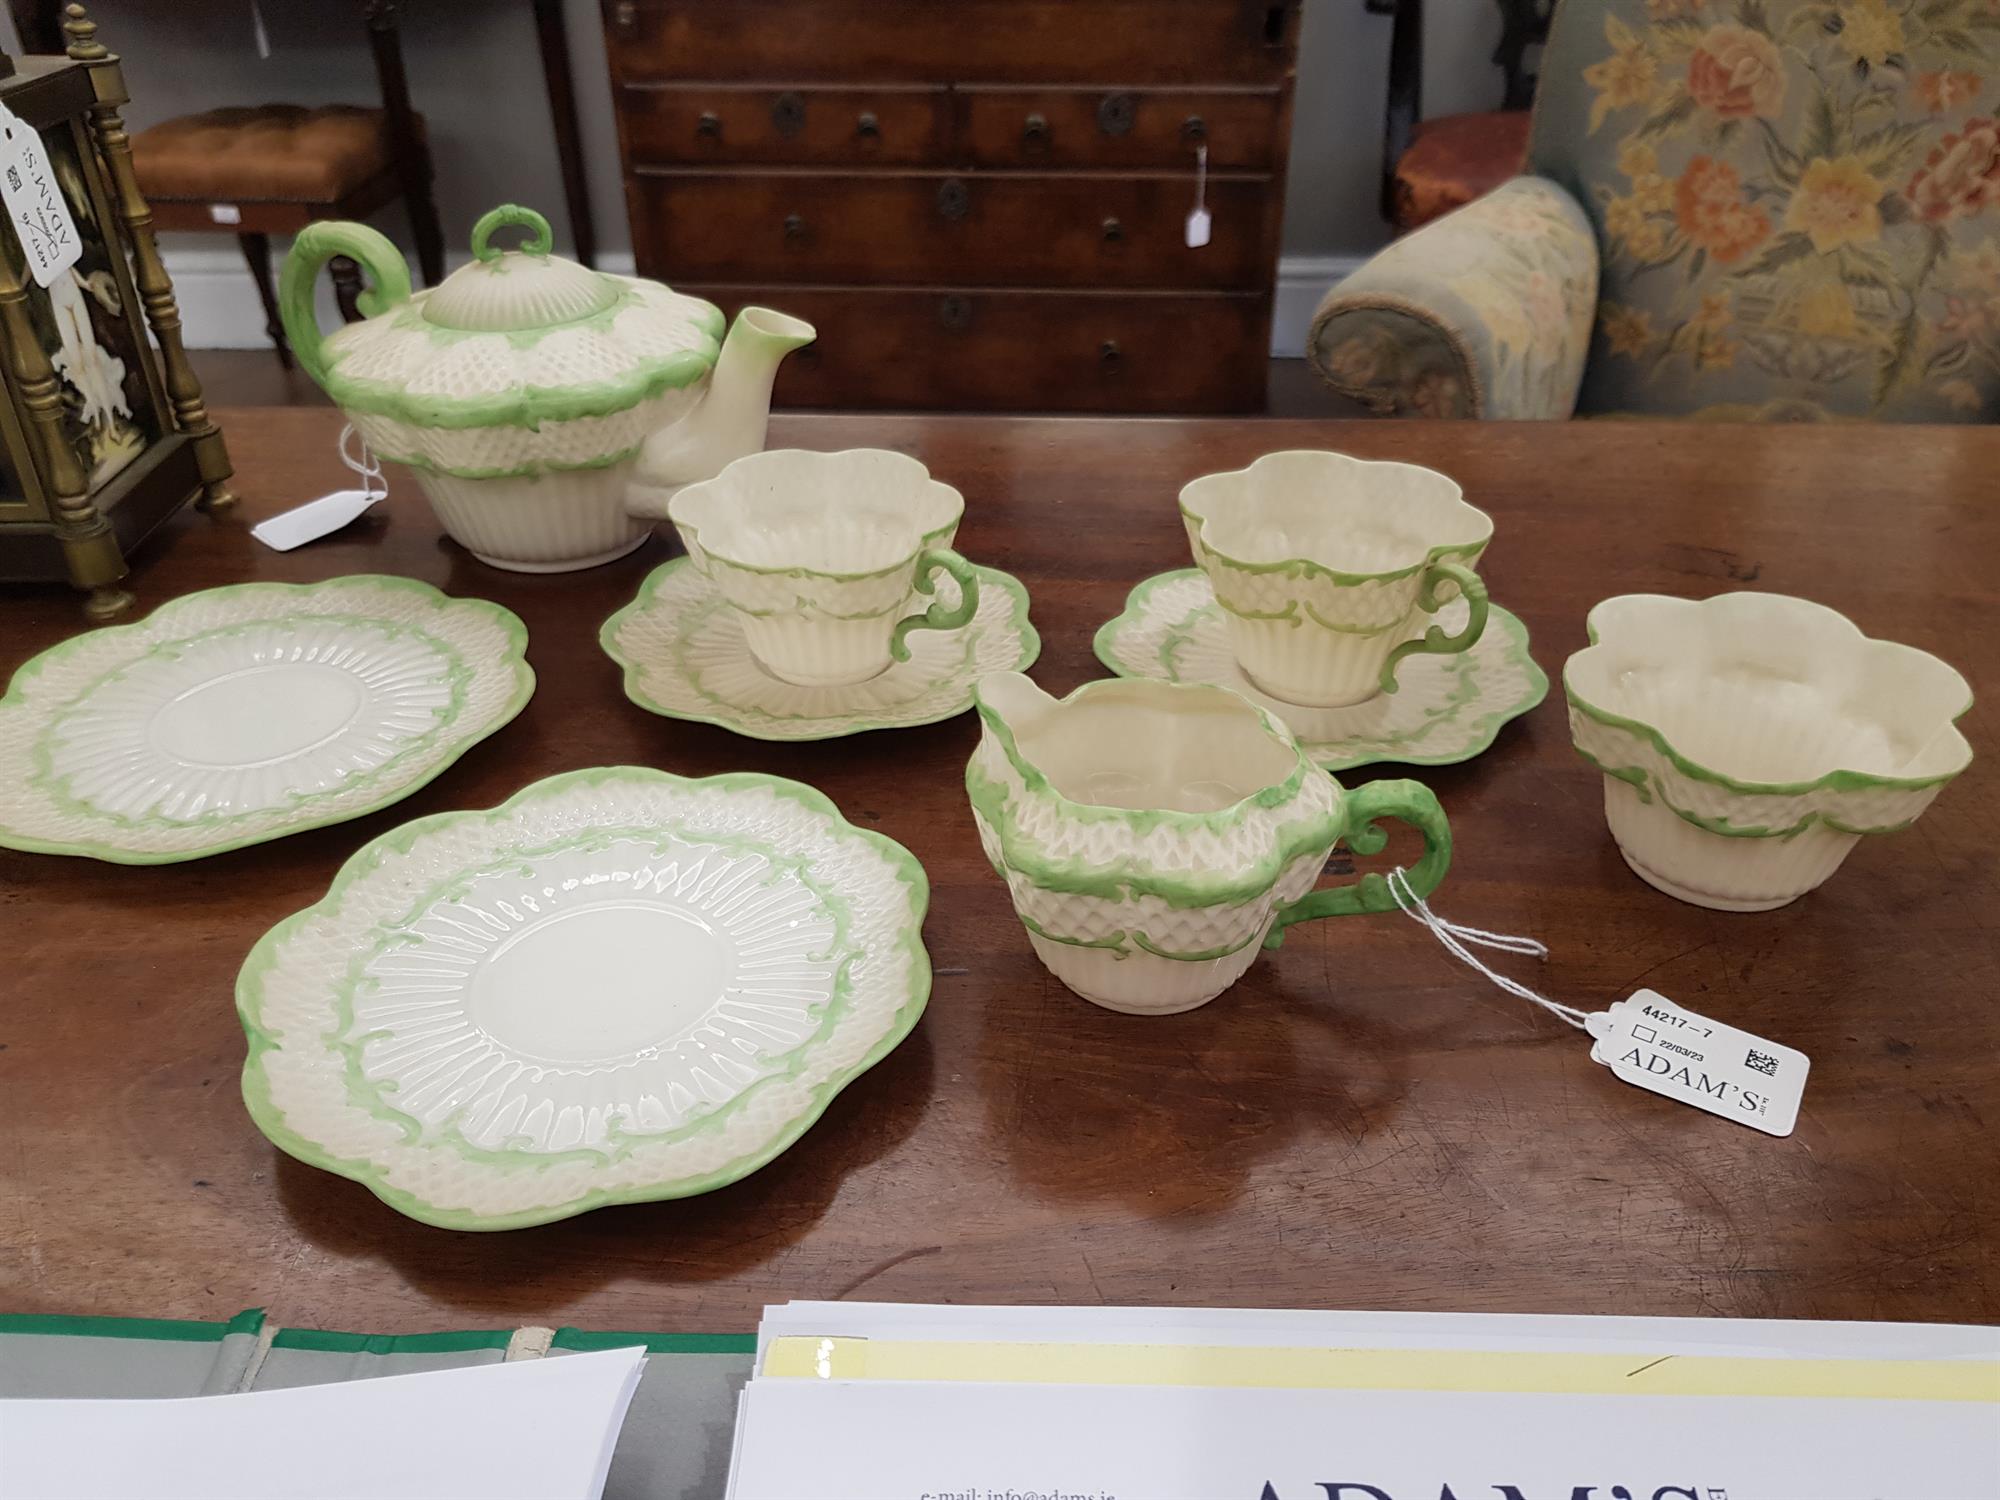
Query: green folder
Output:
(674,1445)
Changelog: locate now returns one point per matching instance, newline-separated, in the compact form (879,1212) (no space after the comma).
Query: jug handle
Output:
(315,246)
(1415,804)
(937,560)
(1434,641)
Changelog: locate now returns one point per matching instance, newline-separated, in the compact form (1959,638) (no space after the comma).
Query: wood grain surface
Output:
(1360,1123)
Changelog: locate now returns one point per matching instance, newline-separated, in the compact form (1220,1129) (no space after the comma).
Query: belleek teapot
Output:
(1155,835)
(548,410)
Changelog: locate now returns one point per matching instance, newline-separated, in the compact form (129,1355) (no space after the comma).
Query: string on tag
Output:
(1456,939)
(374,483)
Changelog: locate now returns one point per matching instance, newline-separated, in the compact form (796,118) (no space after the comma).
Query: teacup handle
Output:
(934,561)
(1434,641)
(1411,801)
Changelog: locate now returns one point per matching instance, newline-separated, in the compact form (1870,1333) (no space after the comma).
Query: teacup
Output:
(1154,834)
(1325,567)
(822,557)
(1749,740)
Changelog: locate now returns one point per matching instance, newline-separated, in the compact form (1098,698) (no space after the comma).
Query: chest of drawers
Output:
(982,204)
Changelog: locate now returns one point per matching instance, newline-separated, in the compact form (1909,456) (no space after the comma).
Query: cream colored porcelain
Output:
(823,557)
(521,390)
(1326,567)
(1749,740)
(1152,835)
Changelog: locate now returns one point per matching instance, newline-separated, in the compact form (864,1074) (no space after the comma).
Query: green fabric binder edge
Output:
(170,1330)
(251,1320)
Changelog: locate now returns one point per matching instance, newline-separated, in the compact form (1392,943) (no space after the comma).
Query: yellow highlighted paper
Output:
(1538,1372)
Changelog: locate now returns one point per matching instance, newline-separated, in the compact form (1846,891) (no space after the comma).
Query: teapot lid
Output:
(503,291)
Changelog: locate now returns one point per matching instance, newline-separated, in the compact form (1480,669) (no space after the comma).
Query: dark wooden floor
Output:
(253,377)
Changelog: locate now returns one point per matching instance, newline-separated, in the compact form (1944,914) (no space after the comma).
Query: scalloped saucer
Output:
(617,986)
(1449,708)
(241,714)
(685,657)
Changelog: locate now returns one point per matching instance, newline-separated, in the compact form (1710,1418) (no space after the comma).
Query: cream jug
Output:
(1153,835)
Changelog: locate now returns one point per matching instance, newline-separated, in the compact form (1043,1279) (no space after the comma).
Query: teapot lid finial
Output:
(503,291)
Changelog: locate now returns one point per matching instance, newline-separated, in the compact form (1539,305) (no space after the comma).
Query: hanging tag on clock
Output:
(1199,222)
(34,201)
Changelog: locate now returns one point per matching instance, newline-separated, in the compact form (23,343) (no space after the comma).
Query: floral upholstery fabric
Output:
(1797,204)
(1483,313)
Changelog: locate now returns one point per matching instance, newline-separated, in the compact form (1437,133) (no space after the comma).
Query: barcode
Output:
(1761,1062)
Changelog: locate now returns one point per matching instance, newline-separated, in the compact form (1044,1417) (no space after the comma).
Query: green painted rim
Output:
(263,957)
(841,726)
(1833,781)
(1337,755)
(524,686)
(1299,567)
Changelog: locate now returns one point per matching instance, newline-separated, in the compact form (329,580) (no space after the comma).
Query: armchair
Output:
(1766,209)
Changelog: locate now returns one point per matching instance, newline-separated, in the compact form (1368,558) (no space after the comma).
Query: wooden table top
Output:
(1360,1123)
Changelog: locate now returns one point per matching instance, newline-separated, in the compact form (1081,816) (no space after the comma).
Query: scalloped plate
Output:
(684,657)
(618,985)
(1449,708)
(242,714)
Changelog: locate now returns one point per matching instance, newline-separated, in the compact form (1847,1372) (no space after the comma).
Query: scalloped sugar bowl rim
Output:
(1838,779)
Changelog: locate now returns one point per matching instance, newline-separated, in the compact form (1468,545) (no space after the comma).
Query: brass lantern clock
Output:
(103,434)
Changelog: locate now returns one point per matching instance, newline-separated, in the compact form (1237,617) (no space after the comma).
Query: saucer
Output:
(245,713)
(684,656)
(1449,707)
(618,985)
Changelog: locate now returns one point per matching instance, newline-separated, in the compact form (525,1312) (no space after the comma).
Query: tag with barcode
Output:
(1649,1041)
(34,201)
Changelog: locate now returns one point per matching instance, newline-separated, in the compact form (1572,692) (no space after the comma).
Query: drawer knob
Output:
(1035,133)
(788,113)
(709,126)
(868,127)
(1194,128)
(953,200)
(795,227)
(1114,232)
(955,313)
(1114,114)
(1110,355)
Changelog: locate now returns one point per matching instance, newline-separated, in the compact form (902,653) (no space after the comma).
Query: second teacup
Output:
(823,556)
(1325,567)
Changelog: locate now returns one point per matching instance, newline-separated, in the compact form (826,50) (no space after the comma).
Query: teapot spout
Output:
(732,418)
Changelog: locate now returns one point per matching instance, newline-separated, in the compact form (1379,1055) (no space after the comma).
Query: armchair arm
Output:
(1486,312)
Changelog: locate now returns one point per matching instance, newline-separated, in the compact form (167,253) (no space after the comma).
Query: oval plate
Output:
(241,714)
(619,985)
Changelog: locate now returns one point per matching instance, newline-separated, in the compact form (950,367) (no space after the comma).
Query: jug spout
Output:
(1011,704)
(731,419)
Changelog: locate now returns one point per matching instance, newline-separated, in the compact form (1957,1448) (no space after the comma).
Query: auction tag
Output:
(1650,1041)
(34,201)
(1200,223)
(326,515)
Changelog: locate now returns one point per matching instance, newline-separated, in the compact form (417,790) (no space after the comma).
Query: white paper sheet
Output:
(862,1440)
(1245,1327)
(533,1430)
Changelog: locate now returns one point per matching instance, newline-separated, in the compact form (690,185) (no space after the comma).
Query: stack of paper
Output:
(535,1430)
(881,1402)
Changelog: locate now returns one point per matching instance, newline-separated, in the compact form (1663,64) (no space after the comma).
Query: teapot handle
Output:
(1415,804)
(315,246)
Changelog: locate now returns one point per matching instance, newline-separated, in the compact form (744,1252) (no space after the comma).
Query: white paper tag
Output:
(225,213)
(258,34)
(34,201)
(1650,1041)
(1199,221)
(326,515)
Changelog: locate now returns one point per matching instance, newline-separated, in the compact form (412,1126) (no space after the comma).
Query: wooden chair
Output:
(1430,167)
(274,168)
